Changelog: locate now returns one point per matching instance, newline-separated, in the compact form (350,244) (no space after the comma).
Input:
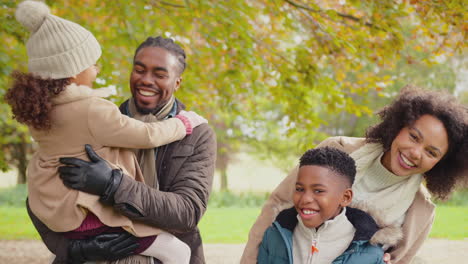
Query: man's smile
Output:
(146,92)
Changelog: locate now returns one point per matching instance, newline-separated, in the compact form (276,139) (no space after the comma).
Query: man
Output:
(175,196)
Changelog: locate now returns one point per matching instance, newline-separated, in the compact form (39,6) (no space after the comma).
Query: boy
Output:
(320,228)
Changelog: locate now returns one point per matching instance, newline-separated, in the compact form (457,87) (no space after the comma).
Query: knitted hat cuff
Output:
(69,63)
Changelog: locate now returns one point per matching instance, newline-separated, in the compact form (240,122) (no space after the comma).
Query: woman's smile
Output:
(405,162)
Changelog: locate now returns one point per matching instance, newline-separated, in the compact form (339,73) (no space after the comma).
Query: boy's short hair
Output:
(331,158)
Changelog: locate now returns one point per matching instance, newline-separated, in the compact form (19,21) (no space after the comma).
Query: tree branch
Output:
(346,16)
(171,4)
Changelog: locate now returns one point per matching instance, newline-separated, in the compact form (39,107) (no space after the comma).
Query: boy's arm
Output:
(372,250)
(280,199)
(111,128)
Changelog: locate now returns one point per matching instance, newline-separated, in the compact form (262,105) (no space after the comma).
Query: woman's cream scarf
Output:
(379,187)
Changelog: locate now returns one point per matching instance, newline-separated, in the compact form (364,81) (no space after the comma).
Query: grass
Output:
(451,222)
(15,224)
(227,225)
(218,225)
(231,225)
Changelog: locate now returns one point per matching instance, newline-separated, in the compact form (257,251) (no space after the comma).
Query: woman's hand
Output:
(386,258)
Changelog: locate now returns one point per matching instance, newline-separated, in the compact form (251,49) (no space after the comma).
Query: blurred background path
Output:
(434,251)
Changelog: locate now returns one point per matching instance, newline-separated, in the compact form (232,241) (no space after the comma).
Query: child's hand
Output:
(193,118)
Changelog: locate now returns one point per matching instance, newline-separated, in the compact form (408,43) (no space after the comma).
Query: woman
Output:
(422,136)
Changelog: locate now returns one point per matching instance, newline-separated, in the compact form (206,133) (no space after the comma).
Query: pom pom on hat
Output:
(31,14)
(57,48)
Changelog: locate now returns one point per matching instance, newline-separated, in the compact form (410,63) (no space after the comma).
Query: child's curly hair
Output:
(30,98)
(409,106)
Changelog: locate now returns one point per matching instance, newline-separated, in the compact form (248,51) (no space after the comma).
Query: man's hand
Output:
(94,176)
(102,247)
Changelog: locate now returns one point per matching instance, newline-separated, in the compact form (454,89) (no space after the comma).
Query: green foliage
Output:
(458,198)
(13,136)
(253,63)
(228,199)
(14,196)
(464,97)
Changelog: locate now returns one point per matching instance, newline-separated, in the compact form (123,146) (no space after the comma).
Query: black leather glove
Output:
(94,176)
(111,246)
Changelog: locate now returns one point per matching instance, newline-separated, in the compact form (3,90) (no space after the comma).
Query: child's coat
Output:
(80,117)
(276,246)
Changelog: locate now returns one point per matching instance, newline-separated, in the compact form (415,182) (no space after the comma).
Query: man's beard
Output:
(146,111)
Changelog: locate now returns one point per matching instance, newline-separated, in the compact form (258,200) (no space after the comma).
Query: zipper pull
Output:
(314,248)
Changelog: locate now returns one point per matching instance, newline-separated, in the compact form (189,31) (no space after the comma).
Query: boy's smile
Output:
(320,194)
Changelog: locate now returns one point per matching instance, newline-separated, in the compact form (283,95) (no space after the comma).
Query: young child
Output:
(320,228)
(56,101)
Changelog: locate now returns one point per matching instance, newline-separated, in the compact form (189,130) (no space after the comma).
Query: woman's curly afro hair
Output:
(409,106)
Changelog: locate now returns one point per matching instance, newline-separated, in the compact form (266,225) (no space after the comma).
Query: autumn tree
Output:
(14,138)
(265,73)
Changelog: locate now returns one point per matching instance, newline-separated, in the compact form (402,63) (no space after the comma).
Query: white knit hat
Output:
(57,48)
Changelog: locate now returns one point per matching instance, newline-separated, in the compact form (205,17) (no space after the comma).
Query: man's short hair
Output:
(167,44)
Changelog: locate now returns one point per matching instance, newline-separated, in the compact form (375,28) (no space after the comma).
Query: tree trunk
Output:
(21,157)
(222,162)
(224,180)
